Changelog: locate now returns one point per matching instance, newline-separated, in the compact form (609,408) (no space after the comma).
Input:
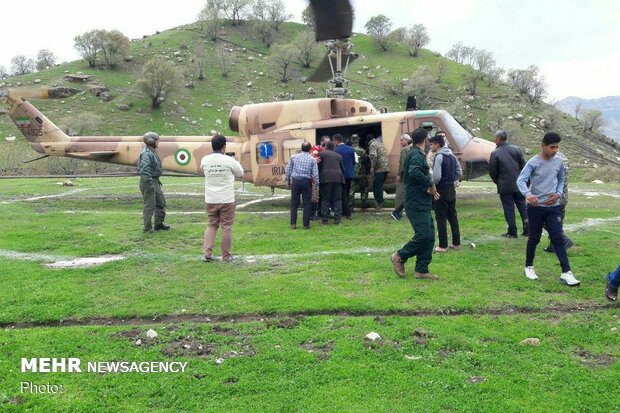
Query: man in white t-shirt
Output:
(220,171)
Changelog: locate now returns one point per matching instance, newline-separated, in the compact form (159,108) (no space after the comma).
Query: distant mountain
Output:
(609,106)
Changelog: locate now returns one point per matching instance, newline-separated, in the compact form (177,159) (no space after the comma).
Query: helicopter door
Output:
(270,153)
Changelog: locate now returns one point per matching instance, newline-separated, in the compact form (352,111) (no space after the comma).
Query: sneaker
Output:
(530,273)
(425,276)
(507,235)
(162,227)
(455,247)
(611,292)
(207,259)
(396,215)
(440,249)
(397,263)
(569,279)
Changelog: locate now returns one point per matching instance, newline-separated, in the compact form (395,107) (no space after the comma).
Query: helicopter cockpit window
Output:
(267,152)
(460,134)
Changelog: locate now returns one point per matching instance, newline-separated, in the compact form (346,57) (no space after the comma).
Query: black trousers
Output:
(331,193)
(301,187)
(445,210)
(346,206)
(508,204)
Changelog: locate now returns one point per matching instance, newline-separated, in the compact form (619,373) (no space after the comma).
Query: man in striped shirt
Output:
(301,171)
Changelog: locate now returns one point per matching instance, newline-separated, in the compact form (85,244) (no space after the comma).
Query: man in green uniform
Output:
(419,192)
(362,169)
(149,168)
(399,203)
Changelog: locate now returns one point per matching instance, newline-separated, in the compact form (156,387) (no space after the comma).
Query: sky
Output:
(573,42)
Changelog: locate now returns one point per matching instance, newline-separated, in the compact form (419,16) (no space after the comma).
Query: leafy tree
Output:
(159,78)
(399,35)
(3,73)
(89,45)
(209,17)
(308,50)
(115,45)
(45,59)
(281,59)
(494,74)
(200,62)
(472,79)
(469,55)
(422,85)
(416,38)
(378,27)
(21,65)
(307,17)
(483,61)
(592,121)
(276,10)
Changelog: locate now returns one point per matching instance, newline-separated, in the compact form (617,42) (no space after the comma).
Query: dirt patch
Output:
(132,335)
(595,360)
(322,351)
(287,322)
(14,400)
(189,348)
(225,331)
(444,353)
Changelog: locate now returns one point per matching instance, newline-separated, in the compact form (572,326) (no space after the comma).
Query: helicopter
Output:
(268,133)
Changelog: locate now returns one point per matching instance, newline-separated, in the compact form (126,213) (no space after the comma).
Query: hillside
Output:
(609,106)
(203,108)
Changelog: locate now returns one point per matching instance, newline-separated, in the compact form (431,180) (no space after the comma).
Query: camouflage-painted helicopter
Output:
(269,133)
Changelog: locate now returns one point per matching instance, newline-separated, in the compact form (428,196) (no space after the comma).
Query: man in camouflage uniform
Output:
(399,203)
(149,168)
(379,167)
(360,178)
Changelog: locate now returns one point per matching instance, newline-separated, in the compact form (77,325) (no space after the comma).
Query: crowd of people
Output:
(324,179)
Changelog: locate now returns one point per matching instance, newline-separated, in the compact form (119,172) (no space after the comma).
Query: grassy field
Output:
(283,327)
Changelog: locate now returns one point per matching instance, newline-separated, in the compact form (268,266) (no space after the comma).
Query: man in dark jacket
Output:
(331,176)
(504,167)
(149,168)
(348,161)
(419,192)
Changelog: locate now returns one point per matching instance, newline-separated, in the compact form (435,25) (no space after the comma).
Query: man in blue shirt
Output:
(300,172)
(546,174)
(348,161)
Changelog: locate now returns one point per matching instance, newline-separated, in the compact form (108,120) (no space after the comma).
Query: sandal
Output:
(611,292)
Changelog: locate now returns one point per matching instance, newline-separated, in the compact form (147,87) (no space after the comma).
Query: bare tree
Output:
(416,38)
(399,35)
(222,60)
(200,62)
(209,17)
(494,74)
(483,61)
(262,26)
(276,10)
(159,78)
(528,82)
(3,73)
(282,57)
(456,52)
(578,109)
(378,27)
(45,59)
(235,10)
(308,50)
(21,65)
(440,71)
(592,121)
(89,45)
(469,55)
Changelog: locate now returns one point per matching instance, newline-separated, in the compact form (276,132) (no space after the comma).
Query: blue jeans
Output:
(613,278)
(303,187)
(551,218)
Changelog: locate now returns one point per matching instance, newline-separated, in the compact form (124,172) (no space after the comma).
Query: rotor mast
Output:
(338,84)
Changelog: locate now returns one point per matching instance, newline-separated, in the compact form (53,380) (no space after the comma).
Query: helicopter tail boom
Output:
(31,122)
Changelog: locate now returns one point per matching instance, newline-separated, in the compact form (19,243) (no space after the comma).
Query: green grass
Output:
(303,301)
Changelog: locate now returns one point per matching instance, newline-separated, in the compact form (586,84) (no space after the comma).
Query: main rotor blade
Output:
(333,19)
